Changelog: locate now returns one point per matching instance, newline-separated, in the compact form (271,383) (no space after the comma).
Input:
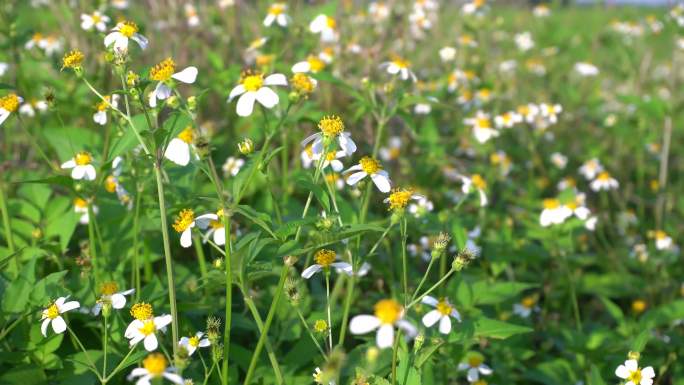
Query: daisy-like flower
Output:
(332,159)
(541,10)
(81,166)
(443,313)
(192,343)
(400,198)
(393,149)
(553,213)
(475,366)
(312,64)
(502,160)
(399,66)
(634,375)
(100,117)
(8,105)
(591,168)
(550,112)
(318,377)
(120,35)
(178,150)
(303,84)
(447,54)
(94,20)
(604,182)
(529,112)
(577,207)
(214,224)
(111,296)
(388,314)
(52,315)
(326,26)
(163,73)
(29,108)
(145,326)
(154,366)
(232,166)
(526,306)
(191,15)
(254,87)
(369,166)
(276,13)
(559,160)
(524,41)
(186,220)
(81,207)
(324,259)
(507,119)
(662,240)
(475,182)
(332,127)
(474,7)
(586,69)
(482,127)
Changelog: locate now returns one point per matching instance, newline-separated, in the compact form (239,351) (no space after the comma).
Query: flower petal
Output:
(385,336)
(178,152)
(267,97)
(245,104)
(431,318)
(311,270)
(362,324)
(58,325)
(445,325)
(188,75)
(275,80)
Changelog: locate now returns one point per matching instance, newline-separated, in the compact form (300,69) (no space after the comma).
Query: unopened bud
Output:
(290,260)
(246,147)
(173,101)
(192,103)
(463,259)
(633,355)
(418,342)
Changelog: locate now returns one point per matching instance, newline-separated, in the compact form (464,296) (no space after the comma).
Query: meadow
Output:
(353,193)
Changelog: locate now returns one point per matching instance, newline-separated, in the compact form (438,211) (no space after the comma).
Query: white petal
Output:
(58,325)
(631,365)
(410,331)
(132,328)
(302,66)
(100,118)
(173,377)
(44,326)
(137,372)
(71,305)
(178,152)
(385,336)
(162,91)
(356,177)
(311,270)
(429,300)
(267,97)
(473,375)
(151,343)
(188,75)
(89,171)
(347,144)
(186,238)
(78,172)
(336,165)
(431,318)
(111,38)
(203,220)
(275,80)
(484,369)
(236,91)
(121,43)
(343,266)
(140,39)
(445,325)
(382,182)
(268,20)
(647,372)
(118,301)
(220,236)
(362,324)
(245,104)
(69,164)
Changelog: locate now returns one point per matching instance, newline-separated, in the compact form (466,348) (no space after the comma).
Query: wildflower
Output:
(447,54)
(635,375)
(501,159)
(52,315)
(178,149)
(529,112)
(541,10)
(559,160)
(320,326)
(253,87)
(388,314)
(145,325)
(186,220)
(400,198)
(246,146)
(215,226)
(276,12)
(604,182)
(332,127)
(553,213)
(526,306)
(8,105)
(232,165)
(100,117)
(73,59)
(399,66)
(96,19)
(163,73)
(81,166)
(121,33)
(586,69)
(192,343)
(325,258)
(379,11)
(524,41)
(393,149)
(303,84)
(550,112)
(591,168)
(482,127)
(507,119)
(318,377)
(154,366)
(29,108)
(191,15)
(443,312)
(662,240)
(478,183)
(312,64)
(369,166)
(3,68)
(475,366)
(111,296)
(81,207)
(577,207)
(325,26)
(421,207)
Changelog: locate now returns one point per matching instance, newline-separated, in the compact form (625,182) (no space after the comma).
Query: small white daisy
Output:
(81,166)
(120,35)
(53,315)
(388,315)
(443,313)
(369,167)
(254,87)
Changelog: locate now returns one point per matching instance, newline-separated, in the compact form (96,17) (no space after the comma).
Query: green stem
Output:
(308,330)
(428,291)
(120,365)
(327,296)
(85,353)
(104,348)
(573,292)
(404,262)
(91,240)
(136,253)
(395,351)
(422,281)
(197,243)
(6,225)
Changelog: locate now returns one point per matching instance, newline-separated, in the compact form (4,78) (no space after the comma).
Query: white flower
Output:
(388,314)
(100,117)
(553,213)
(421,207)
(325,26)
(276,12)
(482,127)
(507,119)
(191,15)
(393,149)
(81,166)
(590,223)
(362,271)
(318,377)
(312,64)
(447,54)
(29,108)
(121,33)
(591,168)
(8,105)
(178,149)
(399,66)
(369,166)
(578,208)
(475,182)
(191,344)
(3,68)
(186,220)
(163,73)
(331,128)
(253,87)
(154,366)
(442,313)
(96,19)
(81,207)
(324,259)
(586,69)
(119,4)
(524,41)
(331,159)
(604,182)
(634,375)
(379,11)
(475,366)
(110,296)
(559,160)
(214,224)
(232,165)
(52,315)
(550,112)
(662,240)
(145,330)
(541,10)
(526,306)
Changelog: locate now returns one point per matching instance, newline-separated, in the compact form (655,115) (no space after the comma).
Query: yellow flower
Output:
(141,311)
(73,59)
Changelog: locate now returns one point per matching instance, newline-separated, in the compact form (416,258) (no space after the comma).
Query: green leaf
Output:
(491,328)
(47,288)
(662,315)
(595,377)
(641,340)
(613,309)
(491,293)
(24,375)
(16,297)
(260,219)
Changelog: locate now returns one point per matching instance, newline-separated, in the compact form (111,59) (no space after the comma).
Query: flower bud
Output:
(173,101)
(290,260)
(463,259)
(246,147)
(192,103)
(633,355)
(418,342)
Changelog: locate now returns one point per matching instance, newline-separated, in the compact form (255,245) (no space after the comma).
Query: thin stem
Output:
(433,287)
(85,352)
(573,292)
(7,227)
(120,365)
(395,351)
(317,173)
(327,296)
(308,330)
(404,262)
(104,348)
(422,281)
(201,259)
(136,253)
(91,240)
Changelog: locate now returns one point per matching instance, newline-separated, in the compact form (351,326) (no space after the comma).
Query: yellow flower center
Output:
(193,341)
(103,105)
(109,288)
(660,234)
(332,178)
(331,125)
(155,364)
(483,123)
(478,182)
(388,311)
(83,158)
(330,156)
(399,198)
(185,218)
(551,203)
(444,307)
(315,63)
(128,28)
(264,60)
(141,311)
(163,71)
(638,306)
(276,9)
(320,326)
(52,311)
(9,103)
(331,22)
(96,18)
(324,257)
(604,176)
(571,205)
(369,165)
(635,376)
(80,203)
(302,83)
(474,361)
(215,224)
(187,135)
(253,82)
(37,37)
(72,59)
(401,63)
(110,184)
(528,302)
(148,327)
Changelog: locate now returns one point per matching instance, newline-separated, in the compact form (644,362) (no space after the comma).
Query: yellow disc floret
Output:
(276,9)
(324,257)
(155,364)
(474,361)
(193,341)
(529,301)
(302,83)
(444,307)
(83,158)
(73,59)
(128,28)
(80,203)
(9,103)
(148,327)
(604,176)
(163,71)
(478,182)
(187,135)
(109,288)
(103,105)
(399,198)
(252,81)
(110,184)
(185,218)
(388,311)
(315,64)
(52,311)
(551,203)
(141,311)
(331,125)
(320,326)
(369,165)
